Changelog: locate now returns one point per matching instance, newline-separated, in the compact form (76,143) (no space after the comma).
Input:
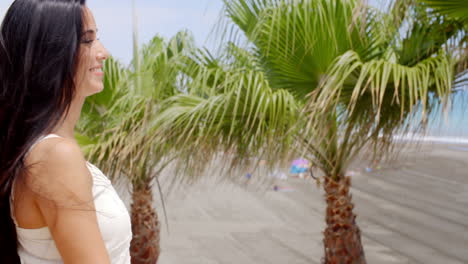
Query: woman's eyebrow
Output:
(89,31)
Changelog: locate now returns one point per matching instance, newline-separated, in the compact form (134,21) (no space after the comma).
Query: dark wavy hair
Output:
(39,47)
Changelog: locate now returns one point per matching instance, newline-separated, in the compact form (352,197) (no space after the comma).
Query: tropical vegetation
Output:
(117,131)
(355,76)
(326,79)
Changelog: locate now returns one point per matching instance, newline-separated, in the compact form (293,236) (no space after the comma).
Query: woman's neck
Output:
(66,128)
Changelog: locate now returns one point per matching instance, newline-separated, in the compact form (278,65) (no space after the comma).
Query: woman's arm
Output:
(63,193)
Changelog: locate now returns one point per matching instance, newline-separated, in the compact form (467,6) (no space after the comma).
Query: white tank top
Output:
(36,246)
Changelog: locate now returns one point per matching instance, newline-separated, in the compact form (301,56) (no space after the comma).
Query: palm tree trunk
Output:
(342,236)
(144,248)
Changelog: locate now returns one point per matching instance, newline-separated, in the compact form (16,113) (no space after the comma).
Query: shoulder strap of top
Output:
(12,193)
(43,138)
(50,136)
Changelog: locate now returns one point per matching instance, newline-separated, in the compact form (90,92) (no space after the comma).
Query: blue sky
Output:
(163,17)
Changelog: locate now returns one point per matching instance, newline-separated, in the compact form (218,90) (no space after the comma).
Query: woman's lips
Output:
(97,71)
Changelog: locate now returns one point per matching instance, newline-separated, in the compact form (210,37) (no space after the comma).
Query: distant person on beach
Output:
(54,206)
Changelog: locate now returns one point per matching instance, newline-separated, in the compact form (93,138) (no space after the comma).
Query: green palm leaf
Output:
(293,62)
(457,9)
(242,115)
(374,100)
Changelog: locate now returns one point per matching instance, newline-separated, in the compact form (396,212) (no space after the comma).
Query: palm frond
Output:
(246,118)
(457,9)
(373,100)
(297,41)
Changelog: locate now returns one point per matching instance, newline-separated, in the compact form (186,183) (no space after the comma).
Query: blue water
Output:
(453,123)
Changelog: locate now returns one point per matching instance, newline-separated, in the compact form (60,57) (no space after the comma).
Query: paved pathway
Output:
(416,213)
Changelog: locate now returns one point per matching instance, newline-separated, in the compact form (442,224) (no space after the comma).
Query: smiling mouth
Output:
(96,69)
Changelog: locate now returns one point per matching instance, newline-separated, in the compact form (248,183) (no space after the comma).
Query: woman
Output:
(54,206)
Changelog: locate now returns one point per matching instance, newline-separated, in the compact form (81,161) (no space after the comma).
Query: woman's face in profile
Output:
(89,76)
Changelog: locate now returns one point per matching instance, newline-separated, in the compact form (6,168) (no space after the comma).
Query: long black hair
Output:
(39,47)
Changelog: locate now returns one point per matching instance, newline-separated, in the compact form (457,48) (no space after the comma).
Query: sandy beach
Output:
(412,210)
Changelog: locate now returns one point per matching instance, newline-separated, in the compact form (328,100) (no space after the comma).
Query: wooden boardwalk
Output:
(415,212)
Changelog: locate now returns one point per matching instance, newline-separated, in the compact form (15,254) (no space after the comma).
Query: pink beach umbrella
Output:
(300,162)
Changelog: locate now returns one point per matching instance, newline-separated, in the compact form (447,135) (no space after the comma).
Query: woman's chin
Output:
(95,90)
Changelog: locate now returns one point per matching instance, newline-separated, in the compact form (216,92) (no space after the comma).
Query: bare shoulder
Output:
(60,148)
(57,168)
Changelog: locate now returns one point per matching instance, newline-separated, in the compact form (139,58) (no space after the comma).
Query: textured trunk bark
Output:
(342,236)
(144,248)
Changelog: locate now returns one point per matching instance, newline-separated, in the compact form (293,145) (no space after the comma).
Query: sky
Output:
(163,17)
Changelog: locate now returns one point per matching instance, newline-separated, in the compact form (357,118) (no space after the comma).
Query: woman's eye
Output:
(89,37)
(87,41)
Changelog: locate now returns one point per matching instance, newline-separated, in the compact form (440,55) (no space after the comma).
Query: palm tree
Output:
(117,131)
(359,76)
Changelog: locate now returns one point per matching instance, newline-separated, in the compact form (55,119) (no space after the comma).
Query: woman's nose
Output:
(102,54)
